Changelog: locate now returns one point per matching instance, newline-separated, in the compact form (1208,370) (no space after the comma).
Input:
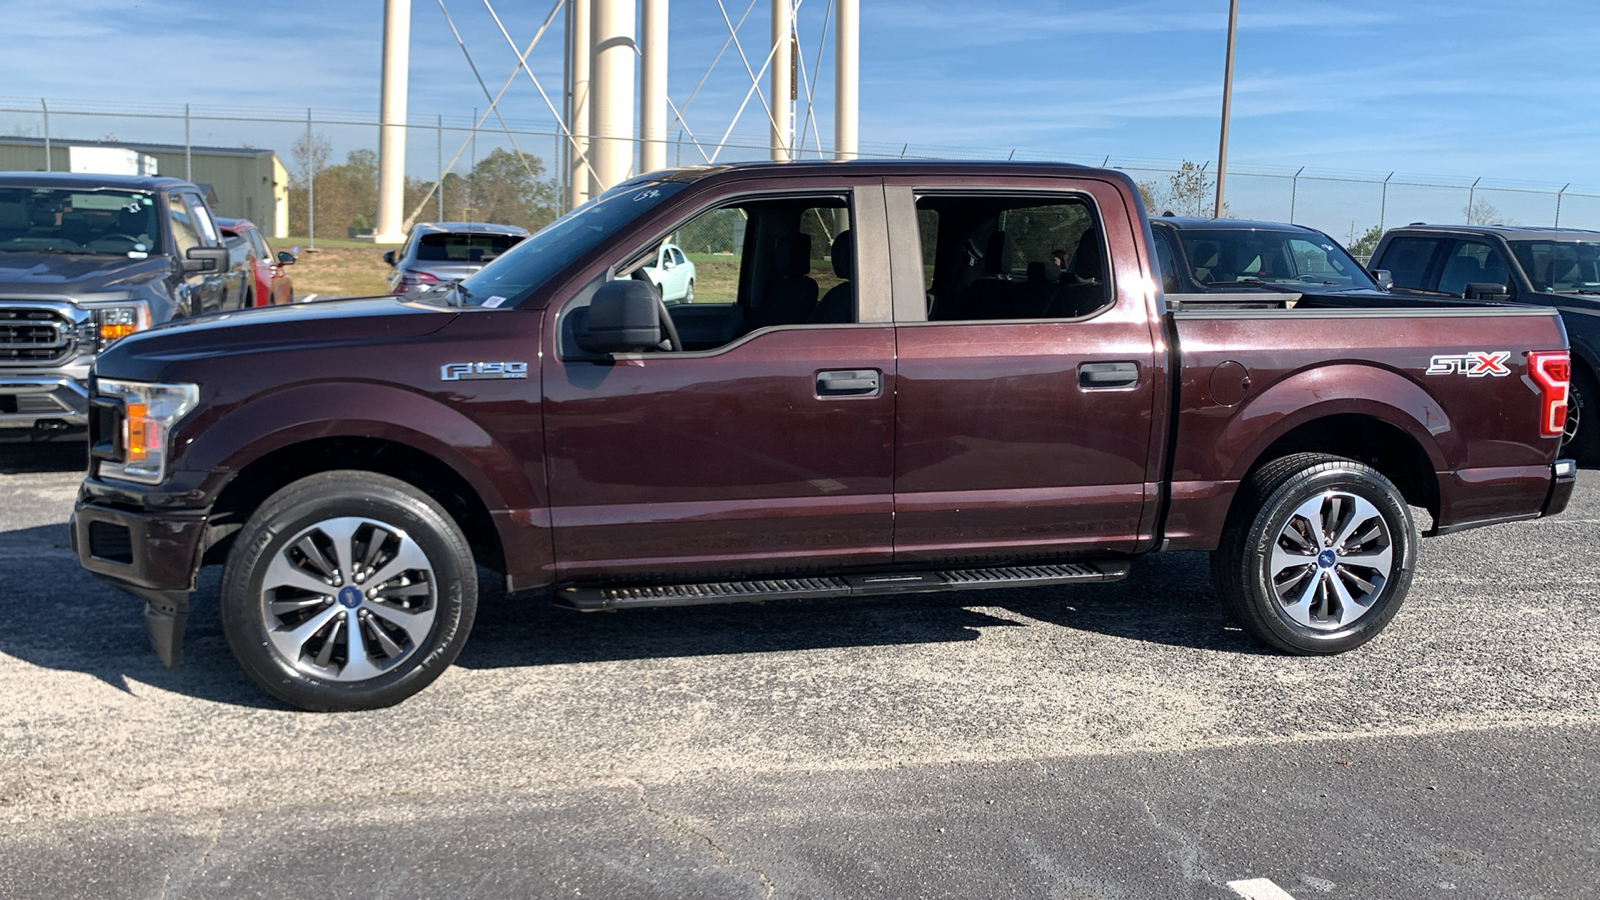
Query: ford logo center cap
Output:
(1325,559)
(351,597)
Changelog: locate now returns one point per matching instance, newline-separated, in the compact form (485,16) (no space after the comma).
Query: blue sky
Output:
(1504,90)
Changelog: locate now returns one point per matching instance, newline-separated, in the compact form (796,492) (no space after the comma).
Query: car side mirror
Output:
(205,259)
(388,257)
(1384,278)
(1484,290)
(624,316)
(285,258)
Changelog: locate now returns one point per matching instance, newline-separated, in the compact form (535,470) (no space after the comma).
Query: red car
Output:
(271,286)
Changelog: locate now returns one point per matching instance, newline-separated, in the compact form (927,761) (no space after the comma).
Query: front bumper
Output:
(154,556)
(27,400)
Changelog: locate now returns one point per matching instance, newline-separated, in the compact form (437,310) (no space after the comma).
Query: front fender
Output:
(239,435)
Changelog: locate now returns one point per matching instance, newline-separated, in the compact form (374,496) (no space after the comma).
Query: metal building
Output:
(248,183)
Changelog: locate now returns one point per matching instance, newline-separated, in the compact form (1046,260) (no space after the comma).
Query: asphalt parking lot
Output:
(1088,742)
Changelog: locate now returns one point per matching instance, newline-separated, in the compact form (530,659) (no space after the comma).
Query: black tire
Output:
(1269,515)
(1582,443)
(688,294)
(437,598)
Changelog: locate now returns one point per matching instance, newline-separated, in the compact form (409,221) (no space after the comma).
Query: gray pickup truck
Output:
(86,260)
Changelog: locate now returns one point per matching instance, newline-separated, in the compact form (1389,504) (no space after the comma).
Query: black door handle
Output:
(1103,375)
(848,383)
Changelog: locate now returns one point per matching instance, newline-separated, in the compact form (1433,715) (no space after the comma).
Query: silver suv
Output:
(442,252)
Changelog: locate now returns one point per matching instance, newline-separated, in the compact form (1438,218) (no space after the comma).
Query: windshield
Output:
(1303,261)
(55,220)
(1560,267)
(508,279)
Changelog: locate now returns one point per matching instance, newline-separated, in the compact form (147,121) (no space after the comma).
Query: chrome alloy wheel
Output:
(1330,561)
(1569,431)
(347,599)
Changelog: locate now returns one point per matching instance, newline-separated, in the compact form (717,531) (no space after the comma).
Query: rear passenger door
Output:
(1027,393)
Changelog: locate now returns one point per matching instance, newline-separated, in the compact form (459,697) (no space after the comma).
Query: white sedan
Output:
(673,273)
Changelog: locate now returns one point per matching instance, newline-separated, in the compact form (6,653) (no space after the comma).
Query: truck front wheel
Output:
(1317,554)
(348,590)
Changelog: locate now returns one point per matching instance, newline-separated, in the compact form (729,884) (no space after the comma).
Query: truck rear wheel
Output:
(1317,554)
(1582,438)
(348,590)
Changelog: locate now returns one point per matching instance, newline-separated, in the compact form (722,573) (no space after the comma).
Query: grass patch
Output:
(339,271)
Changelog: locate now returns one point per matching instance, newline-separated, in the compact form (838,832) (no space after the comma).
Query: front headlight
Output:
(149,411)
(113,322)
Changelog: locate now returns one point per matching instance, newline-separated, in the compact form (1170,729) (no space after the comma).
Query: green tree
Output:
(1362,247)
(510,189)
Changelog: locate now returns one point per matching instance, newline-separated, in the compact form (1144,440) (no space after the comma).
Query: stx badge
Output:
(482,371)
(1473,365)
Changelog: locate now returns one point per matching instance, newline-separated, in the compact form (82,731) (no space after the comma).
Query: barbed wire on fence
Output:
(1353,207)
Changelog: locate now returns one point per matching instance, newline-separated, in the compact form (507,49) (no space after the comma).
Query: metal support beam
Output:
(653,87)
(580,51)
(392,122)
(847,79)
(611,109)
(782,80)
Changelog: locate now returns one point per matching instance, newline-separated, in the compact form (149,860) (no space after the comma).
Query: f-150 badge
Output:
(1473,365)
(482,371)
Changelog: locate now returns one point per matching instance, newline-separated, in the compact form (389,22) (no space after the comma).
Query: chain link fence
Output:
(515,171)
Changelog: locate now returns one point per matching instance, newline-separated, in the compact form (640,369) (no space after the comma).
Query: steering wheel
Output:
(673,342)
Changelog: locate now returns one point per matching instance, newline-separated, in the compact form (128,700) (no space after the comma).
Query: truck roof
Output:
(474,227)
(90,181)
(1185,222)
(902,167)
(1509,232)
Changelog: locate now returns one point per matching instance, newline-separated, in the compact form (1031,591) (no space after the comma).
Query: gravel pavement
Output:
(1122,740)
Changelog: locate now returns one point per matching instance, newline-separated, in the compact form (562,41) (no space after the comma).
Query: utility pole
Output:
(653,87)
(311,188)
(1227,101)
(611,116)
(188,159)
(580,49)
(392,122)
(46,107)
(782,79)
(846,78)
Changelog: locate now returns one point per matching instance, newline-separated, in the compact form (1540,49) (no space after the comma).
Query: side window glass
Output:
(928,231)
(757,264)
(184,233)
(1016,258)
(1407,260)
(1471,262)
(1169,271)
(202,220)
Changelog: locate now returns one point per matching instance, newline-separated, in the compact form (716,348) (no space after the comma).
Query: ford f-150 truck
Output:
(1555,268)
(86,260)
(893,389)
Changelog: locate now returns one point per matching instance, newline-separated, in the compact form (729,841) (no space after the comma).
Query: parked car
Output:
(934,422)
(86,260)
(1227,256)
(1552,268)
(271,286)
(442,252)
(673,273)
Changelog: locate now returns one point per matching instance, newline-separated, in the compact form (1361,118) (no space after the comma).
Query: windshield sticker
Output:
(649,194)
(138,254)
(493,302)
(1476,364)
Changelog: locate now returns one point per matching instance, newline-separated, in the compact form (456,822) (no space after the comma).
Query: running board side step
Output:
(597,599)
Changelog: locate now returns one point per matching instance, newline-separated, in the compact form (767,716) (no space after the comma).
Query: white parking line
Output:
(308,298)
(1259,889)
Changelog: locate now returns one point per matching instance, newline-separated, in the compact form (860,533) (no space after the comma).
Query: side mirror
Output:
(1484,290)
(623,316)
(285,258)
(205,259)
(1384,278)
(388,257)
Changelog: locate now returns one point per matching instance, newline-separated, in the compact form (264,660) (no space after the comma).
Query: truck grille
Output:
(34,336)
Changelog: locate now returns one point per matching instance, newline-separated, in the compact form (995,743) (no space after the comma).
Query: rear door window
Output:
(1165,261)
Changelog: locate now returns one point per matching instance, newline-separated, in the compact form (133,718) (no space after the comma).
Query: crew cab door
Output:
(766,445)
(192,227)
(1027,393)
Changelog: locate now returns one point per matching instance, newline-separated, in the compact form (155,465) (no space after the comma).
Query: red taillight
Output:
(414,279)
(1551,370)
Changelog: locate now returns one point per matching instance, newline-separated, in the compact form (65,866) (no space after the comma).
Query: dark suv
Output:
(442,252)
(1548,267)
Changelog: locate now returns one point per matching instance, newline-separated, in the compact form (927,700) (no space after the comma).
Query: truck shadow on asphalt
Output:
(27,457)
(54,615)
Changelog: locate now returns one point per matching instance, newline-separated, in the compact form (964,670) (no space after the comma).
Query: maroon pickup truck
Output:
(893,377)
